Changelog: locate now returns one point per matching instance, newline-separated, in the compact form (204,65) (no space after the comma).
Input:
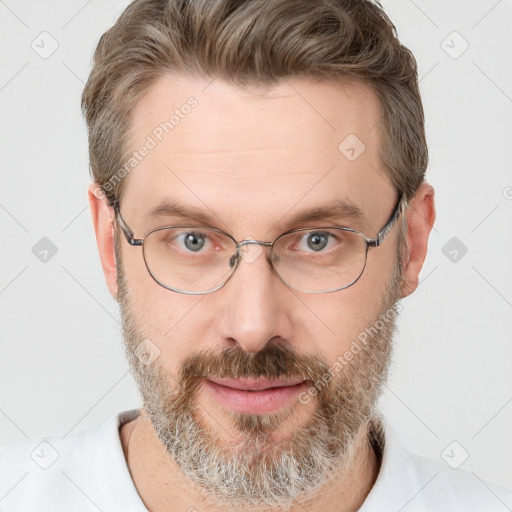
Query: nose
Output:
(254,307)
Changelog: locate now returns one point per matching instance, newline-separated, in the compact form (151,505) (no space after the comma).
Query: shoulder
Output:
(445,488)
(411,482)
(71,472)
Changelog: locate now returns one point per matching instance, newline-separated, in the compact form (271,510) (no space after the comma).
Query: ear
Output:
(104,225)
(421,215)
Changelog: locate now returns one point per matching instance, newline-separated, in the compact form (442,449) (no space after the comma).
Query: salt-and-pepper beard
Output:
(256,473)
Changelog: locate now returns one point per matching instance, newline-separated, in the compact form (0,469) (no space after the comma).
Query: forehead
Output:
(255,152)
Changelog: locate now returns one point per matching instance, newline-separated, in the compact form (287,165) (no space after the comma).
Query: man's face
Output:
(252,162)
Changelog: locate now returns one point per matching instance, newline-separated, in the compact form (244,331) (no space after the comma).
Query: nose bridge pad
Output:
(250,249)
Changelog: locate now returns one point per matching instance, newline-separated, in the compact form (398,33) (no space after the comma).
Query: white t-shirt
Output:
(87,472)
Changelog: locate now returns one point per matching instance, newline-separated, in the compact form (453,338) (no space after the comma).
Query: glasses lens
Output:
(320,260)
(188,259)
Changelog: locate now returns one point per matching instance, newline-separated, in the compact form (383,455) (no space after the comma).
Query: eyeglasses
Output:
(198,260)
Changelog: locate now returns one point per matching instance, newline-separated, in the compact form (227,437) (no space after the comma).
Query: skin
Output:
(252,161)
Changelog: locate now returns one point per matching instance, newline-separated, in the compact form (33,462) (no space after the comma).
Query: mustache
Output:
(274,361)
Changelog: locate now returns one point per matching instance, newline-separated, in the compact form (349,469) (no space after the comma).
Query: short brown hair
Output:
(254,42)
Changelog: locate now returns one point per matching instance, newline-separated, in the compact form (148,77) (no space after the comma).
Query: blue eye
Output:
(316,241)
(193,241)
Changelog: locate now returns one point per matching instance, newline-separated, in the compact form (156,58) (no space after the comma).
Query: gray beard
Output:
(256,473)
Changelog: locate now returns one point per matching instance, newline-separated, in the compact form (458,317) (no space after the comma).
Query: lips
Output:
(255,384)
(255,396)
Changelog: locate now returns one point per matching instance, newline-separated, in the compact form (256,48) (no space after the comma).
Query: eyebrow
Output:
(336,210)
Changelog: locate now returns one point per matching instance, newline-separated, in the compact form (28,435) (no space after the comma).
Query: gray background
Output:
(61,362)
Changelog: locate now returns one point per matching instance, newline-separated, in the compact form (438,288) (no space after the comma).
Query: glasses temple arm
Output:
(400,207)
(128,233)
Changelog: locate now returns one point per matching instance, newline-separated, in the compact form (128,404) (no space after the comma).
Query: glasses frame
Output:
(400,207)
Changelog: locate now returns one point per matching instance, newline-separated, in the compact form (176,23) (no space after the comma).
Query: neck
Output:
(159,480)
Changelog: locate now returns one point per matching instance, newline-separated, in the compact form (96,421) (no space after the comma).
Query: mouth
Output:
(255,396)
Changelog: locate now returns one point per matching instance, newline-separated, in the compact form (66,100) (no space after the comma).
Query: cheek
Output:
(169,319)
(374,284)
(329,323)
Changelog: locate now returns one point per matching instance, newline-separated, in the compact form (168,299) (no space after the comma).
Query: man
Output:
(260,209)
